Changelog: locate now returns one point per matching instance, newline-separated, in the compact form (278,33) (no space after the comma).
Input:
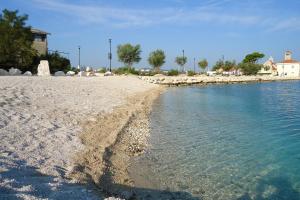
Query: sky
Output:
(207,29)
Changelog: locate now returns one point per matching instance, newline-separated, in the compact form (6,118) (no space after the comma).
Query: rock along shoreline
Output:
(111,141)
(202,79)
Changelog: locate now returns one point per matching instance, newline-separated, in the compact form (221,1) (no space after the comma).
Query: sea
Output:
(224,142)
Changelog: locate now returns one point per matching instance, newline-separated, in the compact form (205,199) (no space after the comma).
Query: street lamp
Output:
(183,58)
(109,55)
(79,57)
(194,65)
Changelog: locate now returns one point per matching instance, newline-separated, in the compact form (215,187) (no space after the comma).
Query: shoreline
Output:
(107,167)
(115,179)
(203,80)
(111,141)
(42,134)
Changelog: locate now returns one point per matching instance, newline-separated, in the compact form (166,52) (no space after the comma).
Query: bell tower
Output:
(288,55)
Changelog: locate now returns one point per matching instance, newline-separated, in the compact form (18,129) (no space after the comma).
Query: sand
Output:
(42,135)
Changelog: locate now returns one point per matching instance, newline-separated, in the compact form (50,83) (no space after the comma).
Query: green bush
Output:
(74,69)
(102,70)
(191,73)
(56,63)
(250,68)
(150,73)
(173,72)
(125,70)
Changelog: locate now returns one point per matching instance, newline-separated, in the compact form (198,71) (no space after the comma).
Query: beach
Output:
(74,137)
(42,124)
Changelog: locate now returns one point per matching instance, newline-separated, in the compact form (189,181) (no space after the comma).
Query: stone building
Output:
(40,42)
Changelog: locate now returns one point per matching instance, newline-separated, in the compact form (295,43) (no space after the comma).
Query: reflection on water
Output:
(225,142)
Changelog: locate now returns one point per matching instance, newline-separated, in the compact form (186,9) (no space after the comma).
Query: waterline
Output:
(225,142)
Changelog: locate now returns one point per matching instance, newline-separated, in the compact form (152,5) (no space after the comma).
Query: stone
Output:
(90,74)
(14,72)
(81,73)
(108,73)
(59,73)
(158,75)
(88,69)
(70,73)
(3,72)
(28,73)
(43,68)
(99,74)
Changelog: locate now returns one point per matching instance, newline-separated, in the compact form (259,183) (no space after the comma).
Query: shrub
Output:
(74,69)
(102,70)
(125,70)
(56,63)
(173,72)
(250,68)
(191,73)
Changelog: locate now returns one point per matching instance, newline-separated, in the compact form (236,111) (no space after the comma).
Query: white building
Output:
(269,68)
(288,67)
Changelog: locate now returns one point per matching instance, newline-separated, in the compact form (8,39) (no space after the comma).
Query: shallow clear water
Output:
(225,142)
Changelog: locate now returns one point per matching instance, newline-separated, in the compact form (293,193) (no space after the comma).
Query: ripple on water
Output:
(225,142)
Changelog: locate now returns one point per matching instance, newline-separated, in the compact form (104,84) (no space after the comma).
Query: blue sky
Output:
(203,28)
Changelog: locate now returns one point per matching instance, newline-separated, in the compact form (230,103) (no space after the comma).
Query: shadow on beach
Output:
(20,181)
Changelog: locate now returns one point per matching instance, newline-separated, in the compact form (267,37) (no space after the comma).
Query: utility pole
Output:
(109,55)
(79,57)
(194,65)
(223,59)
(183,58)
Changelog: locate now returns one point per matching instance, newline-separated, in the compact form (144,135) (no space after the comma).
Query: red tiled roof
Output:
(289,61)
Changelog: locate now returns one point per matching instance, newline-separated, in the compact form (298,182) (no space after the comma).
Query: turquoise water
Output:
(225,142)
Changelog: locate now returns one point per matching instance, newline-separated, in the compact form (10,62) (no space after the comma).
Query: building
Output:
(269,68)
(40,42)
(288,67)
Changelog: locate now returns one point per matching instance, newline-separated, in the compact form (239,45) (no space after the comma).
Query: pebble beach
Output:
(70,137)
(41,120)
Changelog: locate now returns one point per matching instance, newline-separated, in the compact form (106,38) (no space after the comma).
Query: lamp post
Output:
(109,55)
(79,57)
(183,58)
(194,65)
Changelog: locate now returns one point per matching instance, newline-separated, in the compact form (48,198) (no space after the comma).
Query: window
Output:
(39,38)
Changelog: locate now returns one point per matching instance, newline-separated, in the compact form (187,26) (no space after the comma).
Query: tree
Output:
(203,64)
(15,41)
(181,61)
(229,65)
(249,65)
(219,65)
(129,54)
(157,59)
(253,57)
(250,68)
